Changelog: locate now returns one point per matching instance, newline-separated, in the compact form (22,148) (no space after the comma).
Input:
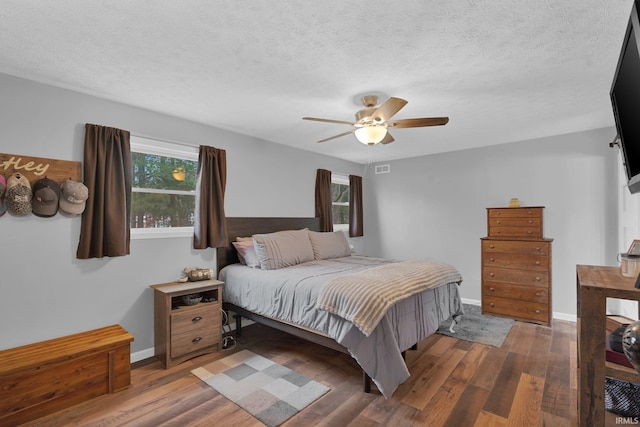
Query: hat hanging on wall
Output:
(73,197)
(46,194)
(3,190)
(19,195)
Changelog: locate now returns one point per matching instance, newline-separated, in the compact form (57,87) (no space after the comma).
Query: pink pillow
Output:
(246,253)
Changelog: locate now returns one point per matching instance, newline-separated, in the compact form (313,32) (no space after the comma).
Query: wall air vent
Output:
(383,169)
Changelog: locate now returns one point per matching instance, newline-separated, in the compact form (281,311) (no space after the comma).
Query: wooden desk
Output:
(595,285)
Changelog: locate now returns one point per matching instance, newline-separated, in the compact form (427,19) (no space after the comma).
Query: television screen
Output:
(625,98)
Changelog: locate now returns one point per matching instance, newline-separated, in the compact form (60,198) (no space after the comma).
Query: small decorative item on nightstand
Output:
(514,203)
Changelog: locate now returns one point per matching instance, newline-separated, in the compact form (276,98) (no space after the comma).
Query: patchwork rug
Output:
(477,327)
(270,392)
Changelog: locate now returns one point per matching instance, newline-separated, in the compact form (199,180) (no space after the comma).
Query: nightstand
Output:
(185,331)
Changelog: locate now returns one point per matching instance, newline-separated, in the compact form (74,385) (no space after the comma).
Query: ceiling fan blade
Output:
(328,120)
(416,123)
(387,139)
(388,108)
(337,136)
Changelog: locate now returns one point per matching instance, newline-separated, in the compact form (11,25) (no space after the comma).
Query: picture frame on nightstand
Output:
(634,249)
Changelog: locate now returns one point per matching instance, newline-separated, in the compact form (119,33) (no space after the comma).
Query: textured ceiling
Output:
(502,70)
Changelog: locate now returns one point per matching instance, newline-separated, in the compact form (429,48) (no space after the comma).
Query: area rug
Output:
(477,327)
(270,392)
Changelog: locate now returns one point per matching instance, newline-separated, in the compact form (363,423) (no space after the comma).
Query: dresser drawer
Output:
(516,309)
(525,262)
(534,212)
(519,277)
(520,232)
(518,292)
(516,247)
(515,222)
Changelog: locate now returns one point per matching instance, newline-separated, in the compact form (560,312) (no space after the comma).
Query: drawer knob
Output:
(530,222)
(492,259)
(498,222)
(491,246)
(498,213)
(492,289)
(196,340)
(492,305)
(529,212)
(537,311)
(529,232)
(538,294)
(492,274)
(538,278)
(538,249)
(537,262)
(196,319)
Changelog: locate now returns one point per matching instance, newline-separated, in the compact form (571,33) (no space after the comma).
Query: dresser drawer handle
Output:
(492,274)
(498,213)
(537,311)
(498,222)
(537,262)
(538,278)
(196,340)
(492,259)
(529,232)
(491,246)
(530,221)
(196,319)
(538,249)
(492,289)
(538,294)
(492,304)
(529,212)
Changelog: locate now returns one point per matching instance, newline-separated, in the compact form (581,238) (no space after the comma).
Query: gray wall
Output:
(46,291)
(435,206)
(431,206)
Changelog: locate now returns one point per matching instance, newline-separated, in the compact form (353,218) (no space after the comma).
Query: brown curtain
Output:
(105,229)
(356,228)
(323,199)
(210,228)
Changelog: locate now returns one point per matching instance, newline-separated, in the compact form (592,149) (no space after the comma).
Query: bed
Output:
(306,298)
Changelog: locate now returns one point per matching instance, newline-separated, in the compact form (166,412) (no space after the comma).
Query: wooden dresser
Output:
(516,265)
(186,331)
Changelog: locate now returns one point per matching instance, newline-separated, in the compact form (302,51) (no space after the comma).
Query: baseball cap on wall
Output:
(73,197)
(19,195)
(46,194)
(3,190)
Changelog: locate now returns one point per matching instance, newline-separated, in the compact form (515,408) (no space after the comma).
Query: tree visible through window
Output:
(340,202)
(163,188)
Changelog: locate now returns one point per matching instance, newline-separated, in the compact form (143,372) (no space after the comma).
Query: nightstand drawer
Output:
(194,330)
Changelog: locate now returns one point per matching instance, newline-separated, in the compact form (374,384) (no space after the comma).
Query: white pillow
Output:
(283,248)
(329,245)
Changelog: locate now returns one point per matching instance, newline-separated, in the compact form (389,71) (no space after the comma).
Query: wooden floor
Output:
(529,381)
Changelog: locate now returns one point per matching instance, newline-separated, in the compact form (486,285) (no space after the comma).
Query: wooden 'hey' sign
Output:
(35,168)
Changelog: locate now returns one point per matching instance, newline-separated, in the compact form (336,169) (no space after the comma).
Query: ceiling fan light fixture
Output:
(371,134)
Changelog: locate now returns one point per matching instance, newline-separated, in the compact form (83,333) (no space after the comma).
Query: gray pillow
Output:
(329,245)
(283,248)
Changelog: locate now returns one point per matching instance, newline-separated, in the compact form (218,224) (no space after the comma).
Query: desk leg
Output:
(591,357)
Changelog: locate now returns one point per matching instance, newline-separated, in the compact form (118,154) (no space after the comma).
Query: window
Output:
(163,188)
(340,201)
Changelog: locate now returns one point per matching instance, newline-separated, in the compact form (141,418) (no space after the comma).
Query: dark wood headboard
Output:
(248,226)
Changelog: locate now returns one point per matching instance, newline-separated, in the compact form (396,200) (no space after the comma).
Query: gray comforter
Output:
(290,295)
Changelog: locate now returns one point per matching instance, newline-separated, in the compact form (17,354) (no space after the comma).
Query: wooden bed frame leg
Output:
(366,380)
(238,325)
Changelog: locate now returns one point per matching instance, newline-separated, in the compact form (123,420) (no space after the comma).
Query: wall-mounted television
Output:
(625,99)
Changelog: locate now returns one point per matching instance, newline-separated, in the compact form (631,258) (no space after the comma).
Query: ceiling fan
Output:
(372,123)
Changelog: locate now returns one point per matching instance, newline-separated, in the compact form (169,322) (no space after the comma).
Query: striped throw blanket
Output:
(363,298)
